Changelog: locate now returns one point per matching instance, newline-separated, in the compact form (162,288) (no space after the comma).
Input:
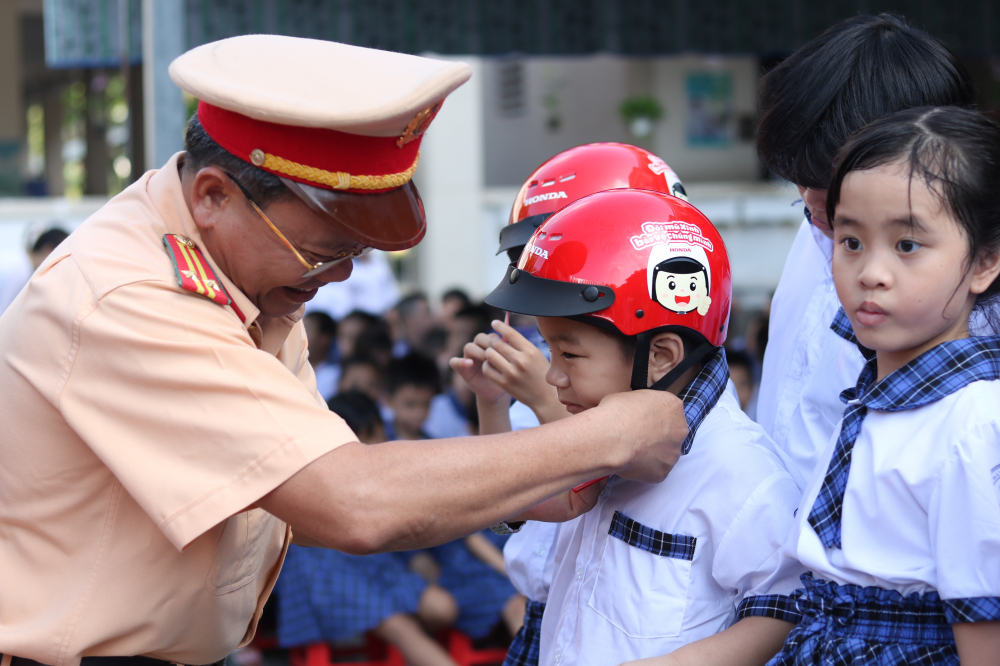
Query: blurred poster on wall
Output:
(709,109)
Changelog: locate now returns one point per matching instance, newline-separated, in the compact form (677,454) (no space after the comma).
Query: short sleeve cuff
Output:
(972,609)
(778,606)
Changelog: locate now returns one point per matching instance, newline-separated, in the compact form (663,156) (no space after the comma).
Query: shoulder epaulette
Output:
(193,272)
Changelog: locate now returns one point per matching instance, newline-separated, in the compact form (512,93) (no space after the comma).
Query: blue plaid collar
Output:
(933,375)
(702,393)
(841,325)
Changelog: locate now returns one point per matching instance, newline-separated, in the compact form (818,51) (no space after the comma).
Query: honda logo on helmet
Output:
(545,197)
(534,249)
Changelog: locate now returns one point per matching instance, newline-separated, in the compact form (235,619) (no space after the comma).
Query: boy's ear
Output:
(666,350)
(985,271)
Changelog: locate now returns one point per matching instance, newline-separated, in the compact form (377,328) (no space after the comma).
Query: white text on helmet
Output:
(656,233)
(545,197)
(534,249)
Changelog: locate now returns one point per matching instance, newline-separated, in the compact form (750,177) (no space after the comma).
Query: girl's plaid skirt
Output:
(524,648)
(849,624)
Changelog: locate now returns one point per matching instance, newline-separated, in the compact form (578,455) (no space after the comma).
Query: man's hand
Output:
(564,506)
(651,427)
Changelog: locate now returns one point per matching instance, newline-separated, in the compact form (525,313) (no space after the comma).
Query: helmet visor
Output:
(392,220)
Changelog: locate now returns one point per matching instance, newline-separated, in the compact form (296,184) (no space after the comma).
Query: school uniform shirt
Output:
(528,557)
(140,423)
(806,365)
(656,566)
(920,511)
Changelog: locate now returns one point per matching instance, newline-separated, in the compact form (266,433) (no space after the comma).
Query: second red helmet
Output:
(579,172)
(636,260)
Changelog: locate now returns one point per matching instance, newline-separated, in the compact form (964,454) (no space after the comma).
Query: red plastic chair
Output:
(461,649)
(376,652)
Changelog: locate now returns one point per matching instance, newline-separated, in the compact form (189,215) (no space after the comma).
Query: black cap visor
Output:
(516,235)
(523,293)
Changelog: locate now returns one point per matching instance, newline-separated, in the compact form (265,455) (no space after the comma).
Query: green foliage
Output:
(641,107)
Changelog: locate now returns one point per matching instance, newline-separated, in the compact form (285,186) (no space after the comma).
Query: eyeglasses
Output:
(311,269)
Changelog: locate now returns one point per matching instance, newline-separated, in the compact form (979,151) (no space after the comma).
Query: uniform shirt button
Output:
(558,657)
(540,550)
(797,373)
(579,574)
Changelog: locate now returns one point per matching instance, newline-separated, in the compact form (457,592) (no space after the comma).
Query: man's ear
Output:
(211,192)
(666,350)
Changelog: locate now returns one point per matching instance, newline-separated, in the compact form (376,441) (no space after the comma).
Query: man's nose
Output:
(338,273)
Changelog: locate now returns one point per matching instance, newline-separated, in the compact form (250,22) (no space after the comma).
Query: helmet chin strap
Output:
(640,365)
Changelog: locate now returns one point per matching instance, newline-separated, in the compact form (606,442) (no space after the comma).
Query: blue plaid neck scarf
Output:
(933,375)
(700,396)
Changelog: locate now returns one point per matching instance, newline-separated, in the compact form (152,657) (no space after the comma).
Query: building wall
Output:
(558,103)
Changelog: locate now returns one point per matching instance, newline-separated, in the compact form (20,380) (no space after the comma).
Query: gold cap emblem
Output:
(418,125)
(257,157)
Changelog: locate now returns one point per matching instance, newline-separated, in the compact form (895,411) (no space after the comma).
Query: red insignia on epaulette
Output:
(193,272)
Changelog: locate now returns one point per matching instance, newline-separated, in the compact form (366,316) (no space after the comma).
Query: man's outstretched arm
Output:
(402,495)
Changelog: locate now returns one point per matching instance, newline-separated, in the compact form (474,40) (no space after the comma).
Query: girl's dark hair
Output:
(955,152)
(203,151)
(857,71)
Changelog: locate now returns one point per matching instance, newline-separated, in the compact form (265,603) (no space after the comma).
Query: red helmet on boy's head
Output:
(579,172)
(638,260)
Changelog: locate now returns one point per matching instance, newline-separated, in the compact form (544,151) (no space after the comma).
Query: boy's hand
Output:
(518,367)
(470,367)
(652,428)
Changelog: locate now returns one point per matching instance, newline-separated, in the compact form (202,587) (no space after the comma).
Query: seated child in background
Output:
(326,595)
(411,383)
(645,303)
(360,373)
(899,527)
(321,332)
(470,569)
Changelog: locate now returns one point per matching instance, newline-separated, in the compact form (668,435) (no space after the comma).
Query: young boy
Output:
(518,367)
(411,383)
(646,305)
(854,73)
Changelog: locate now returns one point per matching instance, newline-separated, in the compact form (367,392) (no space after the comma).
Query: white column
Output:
(451,181)
(163,39)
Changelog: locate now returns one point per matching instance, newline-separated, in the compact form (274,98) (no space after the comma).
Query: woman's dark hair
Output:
(358,410)
(202,151)
(955,152)
(857,71)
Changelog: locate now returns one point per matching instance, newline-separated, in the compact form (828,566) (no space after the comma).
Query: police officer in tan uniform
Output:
(161,436)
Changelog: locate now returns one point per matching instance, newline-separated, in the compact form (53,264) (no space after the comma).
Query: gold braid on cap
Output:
(338,180)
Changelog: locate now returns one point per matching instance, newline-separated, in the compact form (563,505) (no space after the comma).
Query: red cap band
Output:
(317,156)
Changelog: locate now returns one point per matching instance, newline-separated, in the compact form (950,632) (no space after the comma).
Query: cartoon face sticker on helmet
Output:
(677,273)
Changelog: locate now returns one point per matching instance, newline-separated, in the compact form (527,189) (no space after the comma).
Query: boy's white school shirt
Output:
(921,509)
(806,365)
(529,555)
(611,602)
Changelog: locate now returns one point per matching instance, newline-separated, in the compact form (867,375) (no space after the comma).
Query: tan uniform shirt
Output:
(137,421)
